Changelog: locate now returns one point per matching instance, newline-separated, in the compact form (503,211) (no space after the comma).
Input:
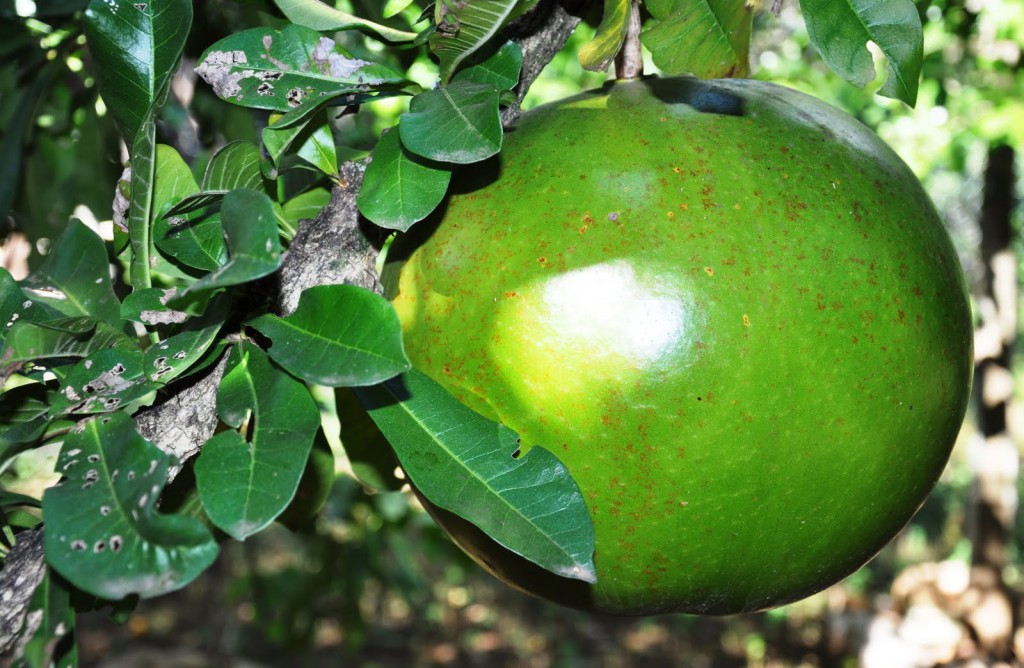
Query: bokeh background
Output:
(372,582)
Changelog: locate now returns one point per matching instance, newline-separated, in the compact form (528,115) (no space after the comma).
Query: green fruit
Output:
(729,309)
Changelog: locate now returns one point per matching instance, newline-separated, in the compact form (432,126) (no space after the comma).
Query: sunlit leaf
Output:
(841,30)
(399,187)
(393,7)
(340,335)
(464,463)
(601,50)
(135,47)
(103,532)
(319,16)
(464,27)
(245,484)
(706,38)
(458,123)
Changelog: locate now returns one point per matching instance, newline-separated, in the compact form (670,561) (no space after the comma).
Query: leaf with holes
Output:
(52,341)
(465,27)
(841,30)
(103,532)
(464,463)
(74,278)
(401,188)
(254,249)
(245,482)
(281,69)
(177,354)
(324,18)
(598,53)
(459,123)
(105,381)
(340,335)
(16,305)
(135,47)
(706,38)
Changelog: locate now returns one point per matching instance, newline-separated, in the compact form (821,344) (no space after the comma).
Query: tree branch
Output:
(339,246)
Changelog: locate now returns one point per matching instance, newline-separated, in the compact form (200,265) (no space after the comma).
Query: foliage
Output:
(118,318)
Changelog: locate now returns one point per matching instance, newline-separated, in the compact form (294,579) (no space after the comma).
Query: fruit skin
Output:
(730,310)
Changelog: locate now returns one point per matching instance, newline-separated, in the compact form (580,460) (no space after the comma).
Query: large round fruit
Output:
(728,308)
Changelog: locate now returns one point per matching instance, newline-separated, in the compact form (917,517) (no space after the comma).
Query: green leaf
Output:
(369,454)
(135,47)
(50,619)
(194,238)
(399,187)
(176,354)
(464,27)
(236,165)
(307,205)
(244,485)
(314,486)
(313,135)
(707,38)
(74,279)
(393,7)
(103,532)
(459,123)
(500,70)
(173,180)
(464,463)
(318,16)
(281,69)
(149,307)
(841,30)
(105,381)
(140,210)
(340,335)
(17,126)
(15,305)
(53,340)
(253,245)
(24,418)
(596,54)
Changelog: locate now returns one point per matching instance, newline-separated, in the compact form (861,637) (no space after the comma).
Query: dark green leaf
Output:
(281,69)
(194,238)
(150,307)
(599,52)
(841,30)
(15,305)
(459,123)
(75,277)
(135,47)
(318,16)
(103,532)
(500,70)
(176,354)
(464,463)
(173,181)
(369,454)
(401,188)
(306,206)
(24,418)
(464,27)
(16,127)
(340,335)
(314,486)
(706,38)
(105,381)
(244,485)
(254,249)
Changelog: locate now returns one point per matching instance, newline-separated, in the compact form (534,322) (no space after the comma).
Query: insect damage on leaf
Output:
(336,64)
(218,70)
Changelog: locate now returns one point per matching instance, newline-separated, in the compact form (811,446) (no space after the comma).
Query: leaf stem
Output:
(629,62)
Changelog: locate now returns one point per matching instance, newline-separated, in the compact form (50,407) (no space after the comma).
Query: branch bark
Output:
(339,246)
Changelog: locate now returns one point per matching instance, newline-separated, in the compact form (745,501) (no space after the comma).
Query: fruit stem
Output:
(629,62)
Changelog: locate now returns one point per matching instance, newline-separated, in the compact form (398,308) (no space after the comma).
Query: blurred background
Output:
(372,582)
